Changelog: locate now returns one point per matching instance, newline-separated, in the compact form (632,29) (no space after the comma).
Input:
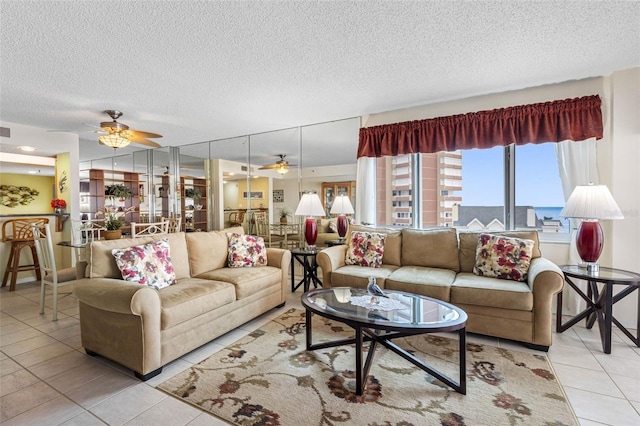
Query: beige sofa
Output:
(143,329)
(439,263)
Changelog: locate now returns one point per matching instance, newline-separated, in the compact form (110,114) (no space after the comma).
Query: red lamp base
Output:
(343,224)
(589,242)
(311,231)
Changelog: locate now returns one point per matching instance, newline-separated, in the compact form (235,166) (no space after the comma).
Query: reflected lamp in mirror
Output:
(342,207)
(310,207)
(591,203)
(114,141)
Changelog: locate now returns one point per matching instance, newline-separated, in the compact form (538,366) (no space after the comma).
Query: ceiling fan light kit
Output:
(113,141)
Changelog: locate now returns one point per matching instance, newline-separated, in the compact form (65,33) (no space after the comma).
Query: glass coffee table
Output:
(379,320)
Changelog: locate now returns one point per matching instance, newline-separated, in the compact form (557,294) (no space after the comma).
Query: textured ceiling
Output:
(195,71)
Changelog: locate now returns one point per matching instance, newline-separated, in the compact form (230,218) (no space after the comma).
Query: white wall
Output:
(624,180)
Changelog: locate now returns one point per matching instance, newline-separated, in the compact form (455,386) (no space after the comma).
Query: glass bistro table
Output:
(373,321)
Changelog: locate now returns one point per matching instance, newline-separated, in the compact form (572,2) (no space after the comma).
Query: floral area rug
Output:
(268,378)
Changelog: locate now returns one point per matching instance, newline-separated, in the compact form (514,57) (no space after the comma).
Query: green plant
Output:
(193,193)
(114,219)
(284,212)
(112,222)
(117,190)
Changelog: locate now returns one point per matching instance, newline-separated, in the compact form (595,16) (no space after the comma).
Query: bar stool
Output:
(18,232)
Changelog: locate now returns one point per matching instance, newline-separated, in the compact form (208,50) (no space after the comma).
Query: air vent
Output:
(5,132)
(245,168)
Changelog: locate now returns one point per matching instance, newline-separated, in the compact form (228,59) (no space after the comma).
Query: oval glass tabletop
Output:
(401,310)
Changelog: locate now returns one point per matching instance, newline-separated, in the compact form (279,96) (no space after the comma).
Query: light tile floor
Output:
(46,378)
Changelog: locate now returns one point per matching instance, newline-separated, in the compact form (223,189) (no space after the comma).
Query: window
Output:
(538,189)
(466,189)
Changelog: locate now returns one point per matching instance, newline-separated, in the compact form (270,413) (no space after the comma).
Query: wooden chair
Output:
(52,276)
(18,232)
(236,218)
(263,230)
(153,228)
(175,223)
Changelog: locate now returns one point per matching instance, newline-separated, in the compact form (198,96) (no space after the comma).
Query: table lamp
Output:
(342,206)
(591,203)
(310,207)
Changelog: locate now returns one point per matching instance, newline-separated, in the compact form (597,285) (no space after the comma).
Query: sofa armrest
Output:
(118,296)
(329,260)
(545,276)
(545,280)
(280,258)
(121,321)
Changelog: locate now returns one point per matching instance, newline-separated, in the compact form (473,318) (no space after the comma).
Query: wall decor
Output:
(254,195)
(12,196)
(62,182)
(278,195)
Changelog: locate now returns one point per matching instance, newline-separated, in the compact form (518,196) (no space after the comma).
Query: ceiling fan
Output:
(119,135)
(281,166)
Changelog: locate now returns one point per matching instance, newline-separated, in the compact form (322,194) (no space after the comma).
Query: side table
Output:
(600,301)
(331,243)
(306,258)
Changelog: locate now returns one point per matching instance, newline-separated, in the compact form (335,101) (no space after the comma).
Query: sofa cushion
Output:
(430,282)
(365,249)
(148,264)
(192,297)
(179,253)
(502,257)
(469,243)
(246,251)
(208,250)
(434,248)
(358,276)
(470,289)
(101,263)
(392,242)
(247,281)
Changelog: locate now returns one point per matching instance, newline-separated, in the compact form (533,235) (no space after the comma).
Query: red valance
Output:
(569,119)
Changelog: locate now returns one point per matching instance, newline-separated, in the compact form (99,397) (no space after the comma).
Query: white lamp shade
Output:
(341,205)
(591,202)
(309,206)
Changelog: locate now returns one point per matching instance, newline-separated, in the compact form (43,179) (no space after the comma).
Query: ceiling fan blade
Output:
(269,166)
(146,142)
(130,134)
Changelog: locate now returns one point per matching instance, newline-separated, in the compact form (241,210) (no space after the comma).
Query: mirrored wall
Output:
(213,184)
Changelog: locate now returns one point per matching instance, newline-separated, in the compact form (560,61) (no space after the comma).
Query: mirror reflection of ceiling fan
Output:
(281,166)
(119,135)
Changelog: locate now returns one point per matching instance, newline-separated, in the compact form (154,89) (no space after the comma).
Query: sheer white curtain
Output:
(366,190)
(577,166)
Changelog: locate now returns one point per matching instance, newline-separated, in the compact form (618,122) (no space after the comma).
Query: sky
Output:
(537,178)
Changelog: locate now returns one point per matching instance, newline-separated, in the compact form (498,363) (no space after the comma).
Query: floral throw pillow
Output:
(148,264)
(503,257)
(365,249)
(246,250)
